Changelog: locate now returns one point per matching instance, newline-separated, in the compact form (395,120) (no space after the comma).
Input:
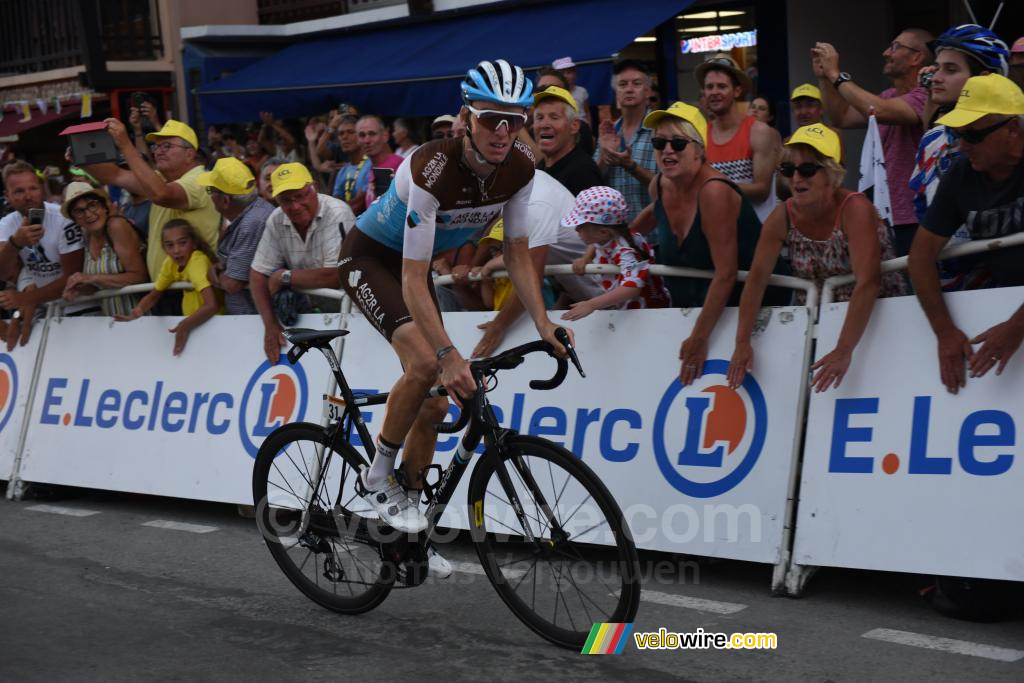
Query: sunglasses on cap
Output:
(806,169)
(493,119)
(678,144)
(977,135)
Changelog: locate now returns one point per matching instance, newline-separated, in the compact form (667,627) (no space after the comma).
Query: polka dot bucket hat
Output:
(599,205)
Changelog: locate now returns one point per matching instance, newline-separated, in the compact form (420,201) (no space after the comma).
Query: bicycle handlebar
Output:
(507,360)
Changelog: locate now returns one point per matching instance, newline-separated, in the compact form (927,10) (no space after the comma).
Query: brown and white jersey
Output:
(437,202)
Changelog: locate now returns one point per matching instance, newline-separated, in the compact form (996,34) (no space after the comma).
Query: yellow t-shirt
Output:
(200,214)
(195,272)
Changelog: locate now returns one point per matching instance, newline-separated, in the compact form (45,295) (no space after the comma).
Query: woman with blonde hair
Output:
(829,231)
(703,221)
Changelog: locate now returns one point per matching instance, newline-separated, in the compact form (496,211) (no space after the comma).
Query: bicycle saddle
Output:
(306,338)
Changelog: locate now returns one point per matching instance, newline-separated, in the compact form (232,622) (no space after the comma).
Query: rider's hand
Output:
(456,377)
(547,333)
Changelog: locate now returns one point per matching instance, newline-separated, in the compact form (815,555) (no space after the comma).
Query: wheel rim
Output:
(308,524)
(573,580)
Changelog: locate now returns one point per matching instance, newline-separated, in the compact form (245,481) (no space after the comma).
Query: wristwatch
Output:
(842,78)
(286,278)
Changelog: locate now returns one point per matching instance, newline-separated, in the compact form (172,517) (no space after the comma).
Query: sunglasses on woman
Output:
(806,169)
(678,144)
(493,119)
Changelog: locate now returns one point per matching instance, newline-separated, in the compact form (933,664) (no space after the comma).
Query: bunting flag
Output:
(26,112)
(873,180)
(86,105)
(42,106)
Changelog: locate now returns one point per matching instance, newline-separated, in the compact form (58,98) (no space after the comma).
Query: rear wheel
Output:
(573,563)
(303,492)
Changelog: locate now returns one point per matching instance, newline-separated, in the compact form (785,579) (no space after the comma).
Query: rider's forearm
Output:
(524,279)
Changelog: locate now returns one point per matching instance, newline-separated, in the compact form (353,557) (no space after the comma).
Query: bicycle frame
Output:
(482,426)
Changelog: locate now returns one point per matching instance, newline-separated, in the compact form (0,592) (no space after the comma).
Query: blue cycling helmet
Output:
(498,82)
(979,43)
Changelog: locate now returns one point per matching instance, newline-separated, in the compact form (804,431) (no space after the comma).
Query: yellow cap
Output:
(293,176)
(820,137)
(230,176)
(497,231)
(981,95)
(684,112)
(555,92)
(806,90)
(175,129)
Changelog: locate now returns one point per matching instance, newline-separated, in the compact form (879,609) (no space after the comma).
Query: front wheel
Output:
(308,511)
(573,562)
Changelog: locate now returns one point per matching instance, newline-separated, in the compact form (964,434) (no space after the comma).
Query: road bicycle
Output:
(549,535)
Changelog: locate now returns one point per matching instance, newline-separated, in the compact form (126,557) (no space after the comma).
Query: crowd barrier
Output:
(701,470)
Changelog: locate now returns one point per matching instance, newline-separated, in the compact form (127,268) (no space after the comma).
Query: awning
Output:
(413,69)
(13,125)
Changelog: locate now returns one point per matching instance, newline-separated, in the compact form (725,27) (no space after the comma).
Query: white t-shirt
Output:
(42,260)
(548,203)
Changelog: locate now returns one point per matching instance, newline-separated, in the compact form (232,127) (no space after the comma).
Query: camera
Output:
(138,97)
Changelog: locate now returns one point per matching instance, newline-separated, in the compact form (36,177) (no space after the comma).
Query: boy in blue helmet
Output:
(447,191)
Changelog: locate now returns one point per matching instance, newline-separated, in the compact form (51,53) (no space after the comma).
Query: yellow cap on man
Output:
(175,129)
(806,90)
(983,95)
(292,176)
(557,93)
(230,176)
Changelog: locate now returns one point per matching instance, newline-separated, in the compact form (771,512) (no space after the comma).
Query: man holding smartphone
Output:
(38,243)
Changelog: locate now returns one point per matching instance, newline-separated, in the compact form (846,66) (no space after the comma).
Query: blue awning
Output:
(413,69)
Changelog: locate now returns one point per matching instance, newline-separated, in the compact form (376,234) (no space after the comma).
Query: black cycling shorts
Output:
(371,274)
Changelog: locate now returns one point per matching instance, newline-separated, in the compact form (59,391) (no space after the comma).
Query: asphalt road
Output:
(100,587)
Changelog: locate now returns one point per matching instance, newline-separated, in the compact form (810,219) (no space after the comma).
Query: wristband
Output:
(441,353)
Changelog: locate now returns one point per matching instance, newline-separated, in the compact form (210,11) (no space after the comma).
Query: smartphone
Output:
(138,97)
(36,216)
(382,180)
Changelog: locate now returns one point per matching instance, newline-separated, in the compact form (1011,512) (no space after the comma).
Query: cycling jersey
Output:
(437,202)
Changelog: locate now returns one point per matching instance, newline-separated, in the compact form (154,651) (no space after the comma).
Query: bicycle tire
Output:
(486,500)
(309,522)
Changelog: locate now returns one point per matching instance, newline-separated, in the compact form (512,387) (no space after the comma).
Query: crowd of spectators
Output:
(254,214)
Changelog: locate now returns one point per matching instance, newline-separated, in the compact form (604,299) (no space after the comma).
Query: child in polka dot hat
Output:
(600,217)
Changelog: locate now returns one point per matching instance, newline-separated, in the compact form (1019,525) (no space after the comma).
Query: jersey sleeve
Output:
(516,213)
(166,277)
(420,224)
(633,273)
(197,269)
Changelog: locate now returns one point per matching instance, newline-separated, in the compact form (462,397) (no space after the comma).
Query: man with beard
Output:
(899,111)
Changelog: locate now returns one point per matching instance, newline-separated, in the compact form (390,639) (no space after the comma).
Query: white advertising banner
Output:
(115,410)
(899,474)
(701,470)
(16,368)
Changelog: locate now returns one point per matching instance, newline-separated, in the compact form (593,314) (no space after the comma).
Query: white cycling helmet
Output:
(498,82)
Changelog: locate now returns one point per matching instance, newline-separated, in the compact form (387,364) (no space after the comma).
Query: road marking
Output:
(960,647)
(687,602)
(180,526)
(474,568)
(61,510)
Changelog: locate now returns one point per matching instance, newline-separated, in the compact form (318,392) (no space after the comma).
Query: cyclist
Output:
(447,191)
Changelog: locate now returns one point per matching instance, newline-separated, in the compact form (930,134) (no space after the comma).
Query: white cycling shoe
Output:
(438,567)
(393,506)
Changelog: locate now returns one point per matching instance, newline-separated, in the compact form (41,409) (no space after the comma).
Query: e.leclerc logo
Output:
(708,437)
(8,388)
(274,396)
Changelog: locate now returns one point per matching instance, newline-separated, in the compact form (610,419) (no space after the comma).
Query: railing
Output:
(892,265)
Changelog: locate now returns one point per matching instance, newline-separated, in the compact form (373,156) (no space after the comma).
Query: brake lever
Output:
(562,336)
